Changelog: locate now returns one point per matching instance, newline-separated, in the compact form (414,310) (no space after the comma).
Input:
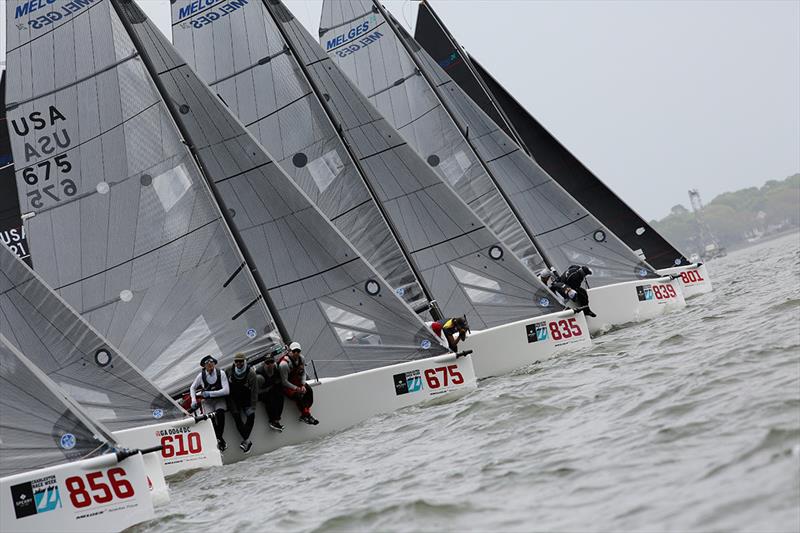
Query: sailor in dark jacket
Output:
(244,386)
(271,391)
(570,285)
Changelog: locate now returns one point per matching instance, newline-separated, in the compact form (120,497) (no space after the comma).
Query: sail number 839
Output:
(41,173)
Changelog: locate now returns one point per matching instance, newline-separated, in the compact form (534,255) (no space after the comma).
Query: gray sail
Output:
(12,232)
(290,123)
(125,227)
(39,425)
(465,266)
(398,84)
(331,300)
(63,346)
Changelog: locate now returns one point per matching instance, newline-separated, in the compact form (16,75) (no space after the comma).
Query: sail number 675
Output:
(448,373)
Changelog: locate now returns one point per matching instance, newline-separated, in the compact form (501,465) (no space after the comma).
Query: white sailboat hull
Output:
(633,301)
(344,401)
(694,278)
(505,348)
(186,445)
(93,495)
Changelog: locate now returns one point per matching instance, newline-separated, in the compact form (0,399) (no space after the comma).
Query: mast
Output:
(468,62)
(262,288)
(465,133)
(434,308)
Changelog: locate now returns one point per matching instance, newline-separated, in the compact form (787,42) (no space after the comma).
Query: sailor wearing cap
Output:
(211,386)
(292,367)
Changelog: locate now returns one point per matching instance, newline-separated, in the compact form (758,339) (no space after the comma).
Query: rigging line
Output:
(263,61)
(14,105)
(319,273)
(134,258)
(323,31)
(279,109)
(450,239)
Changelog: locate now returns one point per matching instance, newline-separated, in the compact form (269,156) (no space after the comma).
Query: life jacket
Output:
(447,326)
(217,385)
(295,370)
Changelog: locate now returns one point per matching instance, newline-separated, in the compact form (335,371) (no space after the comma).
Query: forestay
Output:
(63,346)
(464,264)
(39,425)
(125,228)
(398,83)
(545,149)
(332,301)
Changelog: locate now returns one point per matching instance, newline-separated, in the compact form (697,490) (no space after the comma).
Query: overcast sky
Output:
(655,97)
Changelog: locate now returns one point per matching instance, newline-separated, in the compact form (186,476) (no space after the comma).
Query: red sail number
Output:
(191,444)
(691,276)
(450,373)
(564,329)
(664,292)
(101,492)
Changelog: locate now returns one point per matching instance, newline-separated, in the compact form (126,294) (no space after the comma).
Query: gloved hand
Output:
(250,411)
(206,394)
(572,294)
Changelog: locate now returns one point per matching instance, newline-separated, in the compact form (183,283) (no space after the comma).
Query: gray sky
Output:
(656,97)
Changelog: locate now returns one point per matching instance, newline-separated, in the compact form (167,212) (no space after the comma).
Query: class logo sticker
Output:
(644,292)
(35,497)
(426,344)
(407,382)
(67,441)
(251,333)
(158,413)
(536,332)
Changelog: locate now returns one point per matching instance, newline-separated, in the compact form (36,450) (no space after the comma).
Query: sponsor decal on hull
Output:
(662,293)
(438,380)
(562,332)
(36,497)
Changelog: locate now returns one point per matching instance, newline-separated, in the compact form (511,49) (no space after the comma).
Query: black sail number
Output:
(45,176)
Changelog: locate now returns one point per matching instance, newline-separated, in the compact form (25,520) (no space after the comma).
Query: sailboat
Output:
(468,151)
(59,469)
(96,376)
(190,240)
(580,182)
(346,157)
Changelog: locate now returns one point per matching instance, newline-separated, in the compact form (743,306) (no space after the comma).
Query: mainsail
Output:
(63,346)
(418,97)
(12,232)
(540,144)
(330,299)
(40,426)
(125,229)
(263,46)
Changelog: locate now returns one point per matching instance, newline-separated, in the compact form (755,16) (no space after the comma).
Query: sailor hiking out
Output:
(569,285)
(453,330)
(244,386)
(211,387)
(271,391)
(292,368)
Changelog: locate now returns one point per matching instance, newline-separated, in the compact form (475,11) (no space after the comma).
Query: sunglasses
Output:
(238,363)
(295,351)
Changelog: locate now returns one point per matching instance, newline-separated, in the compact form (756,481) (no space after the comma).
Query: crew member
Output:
(211,386)
(292,367)
(454,330)
(568,285)
(244,385)
(271,391)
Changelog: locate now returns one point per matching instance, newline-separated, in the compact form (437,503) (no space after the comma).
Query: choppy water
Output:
(688,423)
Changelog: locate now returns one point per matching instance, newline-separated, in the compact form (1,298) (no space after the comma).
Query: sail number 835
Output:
(41,173)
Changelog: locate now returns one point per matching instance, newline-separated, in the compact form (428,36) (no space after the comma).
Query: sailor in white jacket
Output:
(211,386)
